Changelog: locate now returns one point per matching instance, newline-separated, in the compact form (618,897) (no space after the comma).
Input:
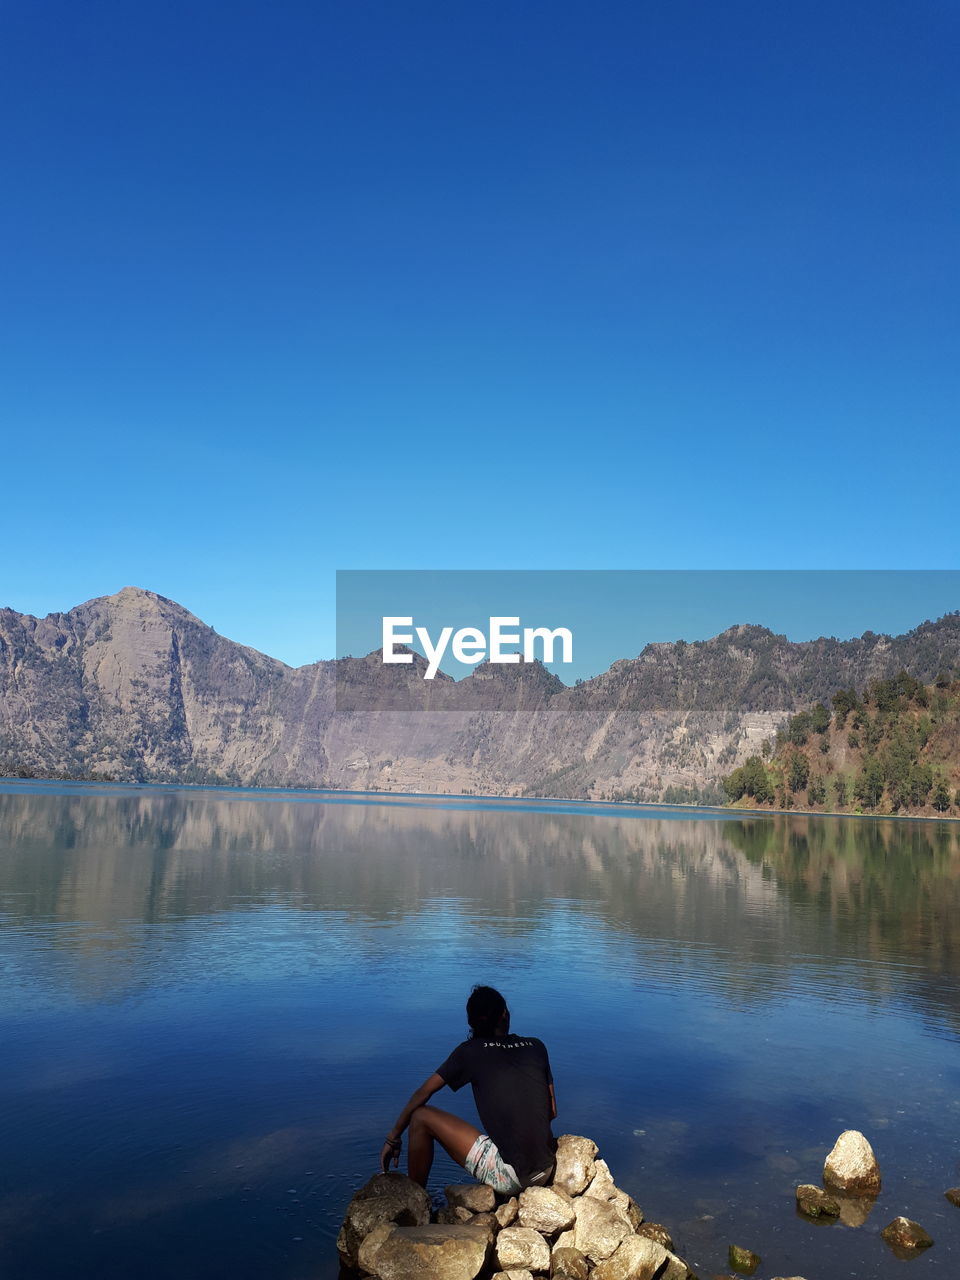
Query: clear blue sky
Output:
(292,287)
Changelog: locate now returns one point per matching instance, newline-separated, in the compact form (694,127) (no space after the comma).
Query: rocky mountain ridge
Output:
(134,687)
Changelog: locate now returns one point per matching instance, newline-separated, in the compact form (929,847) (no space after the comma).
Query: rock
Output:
(906,1234)
(814,1202)
(636,1258)
(851,1165)
(953,1195)
(369,1247)
(455,1216)
(675,1269)
(474,1196)
(564,1240)
(387,1197)
(488,1221)
(546,1209)
(515,1274)
(654,1231)
(601,1185)
(575,1163)
(568,1264)
(522,1247)
(630,1209)
(507,1212)
(442,1253)
(599,1228)
(743,1260)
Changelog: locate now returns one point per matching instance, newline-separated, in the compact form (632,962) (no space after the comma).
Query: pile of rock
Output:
(581,1226)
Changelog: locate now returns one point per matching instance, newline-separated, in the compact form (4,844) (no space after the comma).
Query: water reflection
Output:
(213,999)
(777,901)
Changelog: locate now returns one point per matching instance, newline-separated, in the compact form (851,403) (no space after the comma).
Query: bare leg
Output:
(456,1136)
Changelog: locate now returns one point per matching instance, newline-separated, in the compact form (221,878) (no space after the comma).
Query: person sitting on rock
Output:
(513,1091)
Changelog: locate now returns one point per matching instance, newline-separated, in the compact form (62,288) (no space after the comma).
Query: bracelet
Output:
(393,1142)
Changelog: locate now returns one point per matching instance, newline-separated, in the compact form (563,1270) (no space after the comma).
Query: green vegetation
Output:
(894,748)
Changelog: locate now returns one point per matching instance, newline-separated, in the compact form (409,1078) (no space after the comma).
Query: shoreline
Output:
(467,798)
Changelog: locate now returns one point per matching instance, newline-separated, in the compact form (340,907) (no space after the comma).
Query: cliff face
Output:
(134,687)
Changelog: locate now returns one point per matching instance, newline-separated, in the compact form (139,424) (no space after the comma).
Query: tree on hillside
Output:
(798,729)
(799,771)
(840,791)
(819,718)
(941,796)
(817,790)
(844,701)
(868,787)
(921,780)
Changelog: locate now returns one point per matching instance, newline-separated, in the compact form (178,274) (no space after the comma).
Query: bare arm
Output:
(553,1103)
(391,1148)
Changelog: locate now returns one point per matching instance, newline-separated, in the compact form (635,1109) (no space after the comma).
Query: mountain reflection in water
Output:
(215,1001)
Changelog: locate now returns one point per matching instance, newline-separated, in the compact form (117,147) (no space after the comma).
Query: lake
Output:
(215,1003)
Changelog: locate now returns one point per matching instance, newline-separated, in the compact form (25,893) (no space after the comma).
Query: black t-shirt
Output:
(510,1075)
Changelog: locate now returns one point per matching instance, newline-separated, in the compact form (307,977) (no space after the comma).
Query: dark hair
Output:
(485,1007)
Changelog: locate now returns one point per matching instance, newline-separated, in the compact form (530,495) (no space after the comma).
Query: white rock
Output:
(522,1247)
(546,1209)
(599,1228)
(507,1212)
(851,1165)
(637,1258)
(475,1196)
(442,1253)
(576,1157)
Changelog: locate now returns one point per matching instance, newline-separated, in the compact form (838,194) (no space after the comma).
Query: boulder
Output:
(603,1187)
(815,1203)
(568,1264)
(599,1228)
(851,1165)
(488,1221)
(454,1216)
(387,1197)
(366,1254)
(654,1231)
(474,1196)
(522,1247)
(636,1258)
(675,1269)
(905,1234)
(953,1195)
(575,1163)
(507,1212)
(546,1209)
(442,1253)
(515,1274)
(743,1260)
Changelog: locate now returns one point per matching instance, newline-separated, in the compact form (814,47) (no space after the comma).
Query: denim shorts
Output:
(485,1163)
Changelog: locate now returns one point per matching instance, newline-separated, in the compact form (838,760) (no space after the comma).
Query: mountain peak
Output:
(137,593)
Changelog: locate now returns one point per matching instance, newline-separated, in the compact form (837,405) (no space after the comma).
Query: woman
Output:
(513,1091)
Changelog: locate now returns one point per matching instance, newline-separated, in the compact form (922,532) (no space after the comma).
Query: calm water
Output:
(215,1003)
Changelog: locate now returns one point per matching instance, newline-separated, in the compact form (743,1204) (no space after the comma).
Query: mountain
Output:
(134,687)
